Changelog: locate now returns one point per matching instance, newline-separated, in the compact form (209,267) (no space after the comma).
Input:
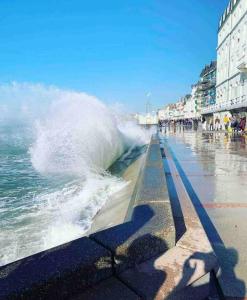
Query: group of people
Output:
(188,123)
(231,124)
(234,123)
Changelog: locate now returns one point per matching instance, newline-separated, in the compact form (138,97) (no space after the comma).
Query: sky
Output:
(119,51)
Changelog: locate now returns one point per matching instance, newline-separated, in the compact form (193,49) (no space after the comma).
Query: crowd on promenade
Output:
(188,123)
(230,124)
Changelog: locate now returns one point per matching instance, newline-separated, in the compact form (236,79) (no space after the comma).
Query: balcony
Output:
(239,102)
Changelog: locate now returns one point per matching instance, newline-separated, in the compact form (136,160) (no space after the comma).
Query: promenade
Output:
(213,167)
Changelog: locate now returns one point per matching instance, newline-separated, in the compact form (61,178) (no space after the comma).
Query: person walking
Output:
(204,124)
(226,122)
(217,123)
(211,124)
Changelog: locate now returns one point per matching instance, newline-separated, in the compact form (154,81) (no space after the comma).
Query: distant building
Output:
(207,85)
(190,108)
(178,113)
(232,54)
(166,113)
(231,89)
(148,119)
(196,99)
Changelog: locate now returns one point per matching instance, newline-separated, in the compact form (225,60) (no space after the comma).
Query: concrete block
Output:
(110,289)
(56,273)
(152,186)
(150,232)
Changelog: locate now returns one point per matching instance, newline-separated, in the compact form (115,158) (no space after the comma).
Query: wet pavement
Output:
(213,167)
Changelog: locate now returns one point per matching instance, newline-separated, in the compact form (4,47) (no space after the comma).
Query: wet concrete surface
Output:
(214,169)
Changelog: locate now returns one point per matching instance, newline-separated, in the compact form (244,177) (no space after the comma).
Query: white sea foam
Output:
(78,135)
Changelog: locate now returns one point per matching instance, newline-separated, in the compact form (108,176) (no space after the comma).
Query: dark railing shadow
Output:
(175,203)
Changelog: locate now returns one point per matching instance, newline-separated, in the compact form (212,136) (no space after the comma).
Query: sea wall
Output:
(147,230)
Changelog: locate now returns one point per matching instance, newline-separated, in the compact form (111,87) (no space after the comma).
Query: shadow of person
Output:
(152,280)
(146,278)
(133,242)
(210,286)
(194,269)
(229,284)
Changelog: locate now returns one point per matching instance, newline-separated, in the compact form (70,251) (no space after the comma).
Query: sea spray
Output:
(79,135)
(55,147)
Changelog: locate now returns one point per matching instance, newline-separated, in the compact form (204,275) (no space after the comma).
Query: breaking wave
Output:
(69,142)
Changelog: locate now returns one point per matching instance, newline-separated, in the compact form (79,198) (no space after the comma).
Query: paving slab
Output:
(232,254)
(228,189)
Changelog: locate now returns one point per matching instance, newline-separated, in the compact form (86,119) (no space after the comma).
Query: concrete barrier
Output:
(151,229)
(87,266)
(56,273)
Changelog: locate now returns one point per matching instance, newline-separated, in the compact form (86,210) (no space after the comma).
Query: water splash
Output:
(54,179)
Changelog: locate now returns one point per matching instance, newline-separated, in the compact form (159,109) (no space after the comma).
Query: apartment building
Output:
(231,86)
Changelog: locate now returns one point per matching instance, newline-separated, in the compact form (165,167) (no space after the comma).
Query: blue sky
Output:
(116,50)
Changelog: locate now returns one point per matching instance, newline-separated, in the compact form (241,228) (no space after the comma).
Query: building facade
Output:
(208,85)
(231,88)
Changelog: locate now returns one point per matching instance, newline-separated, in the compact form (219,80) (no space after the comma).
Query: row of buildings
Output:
(222,86)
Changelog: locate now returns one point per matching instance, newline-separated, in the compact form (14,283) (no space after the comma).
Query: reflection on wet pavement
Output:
(215,166)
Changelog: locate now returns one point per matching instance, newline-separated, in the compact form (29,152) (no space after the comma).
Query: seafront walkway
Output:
(159,251)
(213,167)
(181,236)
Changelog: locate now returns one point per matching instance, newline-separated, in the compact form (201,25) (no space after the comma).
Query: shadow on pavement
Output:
(228,257)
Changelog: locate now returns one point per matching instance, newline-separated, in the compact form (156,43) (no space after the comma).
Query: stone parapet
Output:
(87,266)
(56,273)
(151,229)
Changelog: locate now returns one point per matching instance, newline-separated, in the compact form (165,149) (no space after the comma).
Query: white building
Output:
(178,112)
(148,119)
(231,86)
(185,108)
(167,113)
(189,108)
(196,101)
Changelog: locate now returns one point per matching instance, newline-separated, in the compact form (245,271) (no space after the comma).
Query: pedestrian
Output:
(217,123)
(204,124)
(211,124)
(234,123)
(242,124)
(226,121)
